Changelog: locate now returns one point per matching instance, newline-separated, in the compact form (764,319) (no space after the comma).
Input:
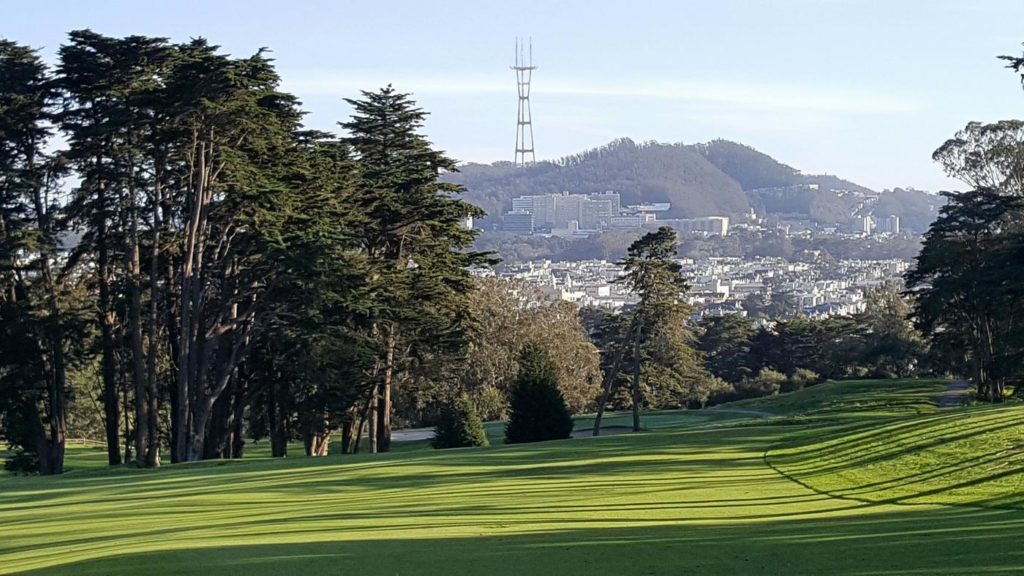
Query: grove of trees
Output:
(169,229)
(968,282)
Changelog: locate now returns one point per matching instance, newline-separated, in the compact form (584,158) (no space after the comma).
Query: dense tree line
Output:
(170,229)
(967,280)
(655,356)
(782,351)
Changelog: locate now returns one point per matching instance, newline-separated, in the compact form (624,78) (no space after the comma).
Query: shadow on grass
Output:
(908,459)
(937,541)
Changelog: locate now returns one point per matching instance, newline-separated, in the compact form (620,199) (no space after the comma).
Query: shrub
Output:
(458,426)
(537,408)
(708,390)
(800,379)
(767,383)
(22,462)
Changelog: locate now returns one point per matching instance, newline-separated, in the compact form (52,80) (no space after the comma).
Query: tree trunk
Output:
(372,429)
(138,354)
(108,368)
(384,419)
(196,436)
(45,448)
(172,324)
(152,330)
(364,415)
(218,430)
(276,422)
(636,382)
(236,443)
(347,434)
(609,380)
(58,420)
(128,433)
(316,442)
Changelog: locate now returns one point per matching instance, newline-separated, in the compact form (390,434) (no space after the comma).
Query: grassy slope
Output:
(859,399)
(893,446)
(669,501)
(963,457)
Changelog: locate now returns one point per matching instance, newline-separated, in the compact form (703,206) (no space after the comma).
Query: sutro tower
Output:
(524,127)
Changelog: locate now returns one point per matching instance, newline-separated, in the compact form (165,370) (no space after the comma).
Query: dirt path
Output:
(955,395)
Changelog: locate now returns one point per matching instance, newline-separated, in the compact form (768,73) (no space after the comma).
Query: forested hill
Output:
(753,169)
(714,178)
(639,172)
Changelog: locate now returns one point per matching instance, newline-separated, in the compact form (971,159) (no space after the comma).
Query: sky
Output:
(862,89)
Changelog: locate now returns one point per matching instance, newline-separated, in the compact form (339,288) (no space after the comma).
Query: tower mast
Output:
(524,126)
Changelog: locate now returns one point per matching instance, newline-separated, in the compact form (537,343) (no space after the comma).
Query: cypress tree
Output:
(537,408)
(34,295)
(459,426)
(414,238)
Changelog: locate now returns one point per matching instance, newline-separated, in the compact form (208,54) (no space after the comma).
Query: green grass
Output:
(694,497)
(853,398)
(963,457)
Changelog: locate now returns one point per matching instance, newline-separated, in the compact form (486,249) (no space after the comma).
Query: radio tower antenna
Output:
(524,126)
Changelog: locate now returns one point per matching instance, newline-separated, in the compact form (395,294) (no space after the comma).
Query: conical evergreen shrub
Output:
(537,408)
(459,426)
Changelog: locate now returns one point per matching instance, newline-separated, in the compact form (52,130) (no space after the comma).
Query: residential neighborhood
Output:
(722,285)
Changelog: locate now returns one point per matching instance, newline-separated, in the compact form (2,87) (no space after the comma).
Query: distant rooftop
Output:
(651,207)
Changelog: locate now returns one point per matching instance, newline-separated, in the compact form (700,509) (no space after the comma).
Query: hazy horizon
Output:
(859,89)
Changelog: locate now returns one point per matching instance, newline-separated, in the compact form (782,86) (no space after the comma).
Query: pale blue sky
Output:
(862,89)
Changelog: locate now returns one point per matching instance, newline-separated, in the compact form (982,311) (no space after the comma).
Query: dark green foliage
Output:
(243,274)
(537,411)
(967,282)
(459,426)
(415,246)
(654,341)
(967,285)
(22,462)
(725,342)
(880,342)
(36,311)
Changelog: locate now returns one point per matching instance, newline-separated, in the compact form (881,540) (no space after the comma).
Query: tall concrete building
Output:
(556,211)
(710,225)
(889,225)
(518,222)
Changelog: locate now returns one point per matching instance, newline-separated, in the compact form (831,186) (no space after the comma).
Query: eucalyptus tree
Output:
(989,156)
